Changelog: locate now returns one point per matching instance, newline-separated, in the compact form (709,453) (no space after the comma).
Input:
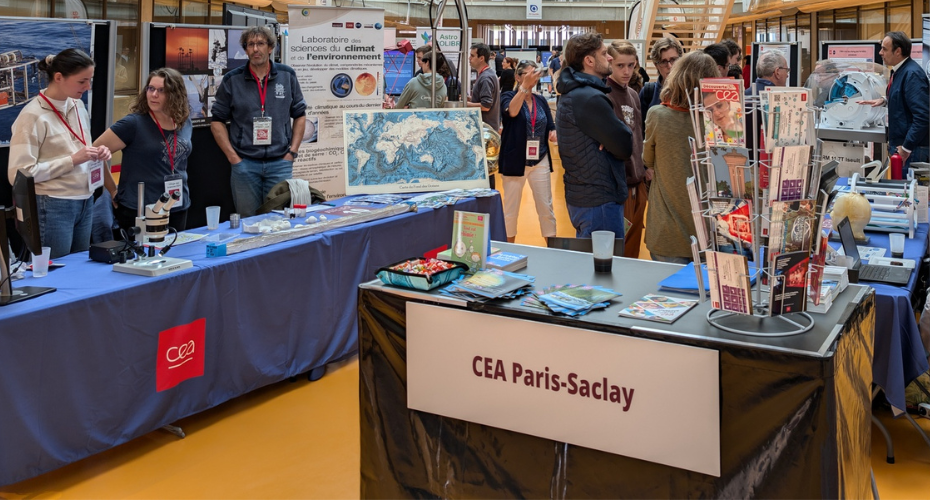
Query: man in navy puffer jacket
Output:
(593,142)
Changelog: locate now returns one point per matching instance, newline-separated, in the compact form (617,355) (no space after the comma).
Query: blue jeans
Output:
(252,179)
(65,225)
(606,217)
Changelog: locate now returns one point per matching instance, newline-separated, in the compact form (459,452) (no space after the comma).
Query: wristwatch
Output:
(293,153)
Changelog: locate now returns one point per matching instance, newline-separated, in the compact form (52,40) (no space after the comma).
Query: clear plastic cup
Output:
(213,218)
(897,245)
(40,263)
(603,249)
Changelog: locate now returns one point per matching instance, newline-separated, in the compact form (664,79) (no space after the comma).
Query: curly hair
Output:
(176,104)
(662,45)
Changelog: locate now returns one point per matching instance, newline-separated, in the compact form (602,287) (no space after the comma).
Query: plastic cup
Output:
(233,221)
(40,263)
(213,218)
(603,243)
(897,245)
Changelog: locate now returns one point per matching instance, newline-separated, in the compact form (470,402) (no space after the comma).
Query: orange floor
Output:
(301,440)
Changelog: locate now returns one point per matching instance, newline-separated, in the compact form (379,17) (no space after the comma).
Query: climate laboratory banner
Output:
(338,54)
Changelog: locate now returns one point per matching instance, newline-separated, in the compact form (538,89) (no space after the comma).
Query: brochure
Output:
(730,172)
(787,121)
(789,283)
(508,261)
(659,308)
(470,239)
(733,224)
(792,226)
(491,284)
(724,120)
(789,173)
(728,275)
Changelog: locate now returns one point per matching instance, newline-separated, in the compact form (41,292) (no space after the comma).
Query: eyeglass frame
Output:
(667,62)
(151,89)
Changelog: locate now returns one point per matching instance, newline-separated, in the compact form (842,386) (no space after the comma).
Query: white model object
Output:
(842,108)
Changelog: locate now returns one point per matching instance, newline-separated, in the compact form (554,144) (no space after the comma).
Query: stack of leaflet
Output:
(490,284)
(835,280)
(571,300)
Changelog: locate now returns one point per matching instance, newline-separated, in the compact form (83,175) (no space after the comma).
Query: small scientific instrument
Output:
(150,230)
(842,108)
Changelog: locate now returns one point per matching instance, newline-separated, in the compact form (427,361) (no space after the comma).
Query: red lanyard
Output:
(62,118)
(676,108)
(482,70)
(262,87)
(172,151)
(533,116)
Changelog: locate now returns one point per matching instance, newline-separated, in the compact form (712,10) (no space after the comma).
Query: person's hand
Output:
(234,159)
(113,201)
(649,174)
(903,154)
(552,137)
(103,153)
(531,79)
(873,102)
(84,155)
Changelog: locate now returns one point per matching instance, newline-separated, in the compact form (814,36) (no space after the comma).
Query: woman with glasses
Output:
(527,129)
(669,223)
(51,142)
(418,92)
(155,138)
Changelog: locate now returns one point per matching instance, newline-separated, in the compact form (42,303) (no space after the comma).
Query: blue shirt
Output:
(145,159)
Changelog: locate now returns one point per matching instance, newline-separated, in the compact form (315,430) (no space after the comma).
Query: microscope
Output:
(148,237)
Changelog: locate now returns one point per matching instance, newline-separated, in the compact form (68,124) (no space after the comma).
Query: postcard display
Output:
(758,204)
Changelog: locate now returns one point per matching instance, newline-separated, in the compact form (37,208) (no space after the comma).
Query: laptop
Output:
(892,275)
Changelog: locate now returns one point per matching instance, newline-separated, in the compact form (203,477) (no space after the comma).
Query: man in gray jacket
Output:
(593,142)
(259,101)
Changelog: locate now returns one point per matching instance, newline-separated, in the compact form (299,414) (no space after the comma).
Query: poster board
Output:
(338,55)
(450,43)
(852,50)
(792,54)
(24,41)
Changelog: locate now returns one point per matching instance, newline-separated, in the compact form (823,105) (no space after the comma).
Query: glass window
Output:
(899,17)
(166,11)
(845,24)
(25,8)
(825,26)
(194,12)
(804,41)
(872,24)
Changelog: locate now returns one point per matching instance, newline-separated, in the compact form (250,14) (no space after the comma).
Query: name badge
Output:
(261,131)
(173,184)
(532,148)
(94,174)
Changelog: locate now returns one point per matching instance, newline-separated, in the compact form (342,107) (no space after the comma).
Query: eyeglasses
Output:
(155,90)
(784,68)
(668,62)
(257,45)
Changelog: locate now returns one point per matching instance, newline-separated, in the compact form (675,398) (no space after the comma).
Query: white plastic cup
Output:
(603,249)
(897,245)
(40,263)
(213,218)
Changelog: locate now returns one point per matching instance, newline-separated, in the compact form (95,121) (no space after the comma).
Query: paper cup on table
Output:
(897,245)
(603,243)
(213,217)
(40,263)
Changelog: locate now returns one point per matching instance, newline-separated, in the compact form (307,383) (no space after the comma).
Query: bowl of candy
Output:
(421,274)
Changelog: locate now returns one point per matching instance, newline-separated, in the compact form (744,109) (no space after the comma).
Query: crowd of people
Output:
(623,140)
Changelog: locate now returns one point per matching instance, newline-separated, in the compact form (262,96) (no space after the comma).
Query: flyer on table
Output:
(338,55)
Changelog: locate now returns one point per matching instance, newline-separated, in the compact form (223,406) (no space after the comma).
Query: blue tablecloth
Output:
(899,353)
(79,367)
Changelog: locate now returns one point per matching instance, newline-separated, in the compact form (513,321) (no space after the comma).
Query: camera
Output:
(923,409)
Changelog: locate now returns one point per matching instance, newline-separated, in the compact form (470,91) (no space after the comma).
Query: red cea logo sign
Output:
(180,354)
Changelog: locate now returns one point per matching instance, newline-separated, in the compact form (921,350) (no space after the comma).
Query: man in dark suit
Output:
(907,100)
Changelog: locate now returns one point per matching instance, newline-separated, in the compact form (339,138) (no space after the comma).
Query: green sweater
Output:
(669,224)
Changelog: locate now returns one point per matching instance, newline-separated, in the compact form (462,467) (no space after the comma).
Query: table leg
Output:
(177,431)
(889,456)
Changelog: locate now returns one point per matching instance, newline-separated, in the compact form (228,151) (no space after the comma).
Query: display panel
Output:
(398,70)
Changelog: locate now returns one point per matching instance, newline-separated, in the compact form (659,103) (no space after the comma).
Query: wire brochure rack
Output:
(757,202)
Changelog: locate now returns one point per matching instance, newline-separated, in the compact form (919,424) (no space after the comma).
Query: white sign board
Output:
(592,389)
(449,42)
(534,9)
(851,157)
(338,55)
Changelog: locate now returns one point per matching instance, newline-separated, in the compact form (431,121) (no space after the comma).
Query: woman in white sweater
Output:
(51,142)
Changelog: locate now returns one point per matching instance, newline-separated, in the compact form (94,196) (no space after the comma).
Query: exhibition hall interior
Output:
(464,249)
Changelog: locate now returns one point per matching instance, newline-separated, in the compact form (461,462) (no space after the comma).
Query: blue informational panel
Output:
(398,70)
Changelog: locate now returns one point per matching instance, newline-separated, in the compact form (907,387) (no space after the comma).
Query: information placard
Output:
(338,55)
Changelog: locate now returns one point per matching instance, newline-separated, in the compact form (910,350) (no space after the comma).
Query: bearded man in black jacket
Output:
(593,142)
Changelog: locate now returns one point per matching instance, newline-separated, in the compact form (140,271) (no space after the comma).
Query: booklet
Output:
(733,224)
(789,283)
(730,172)
(789,172)
(659,308)
(491,284)
(792,226)
(728,275)
(470,239)
(724,120)
(787,120)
